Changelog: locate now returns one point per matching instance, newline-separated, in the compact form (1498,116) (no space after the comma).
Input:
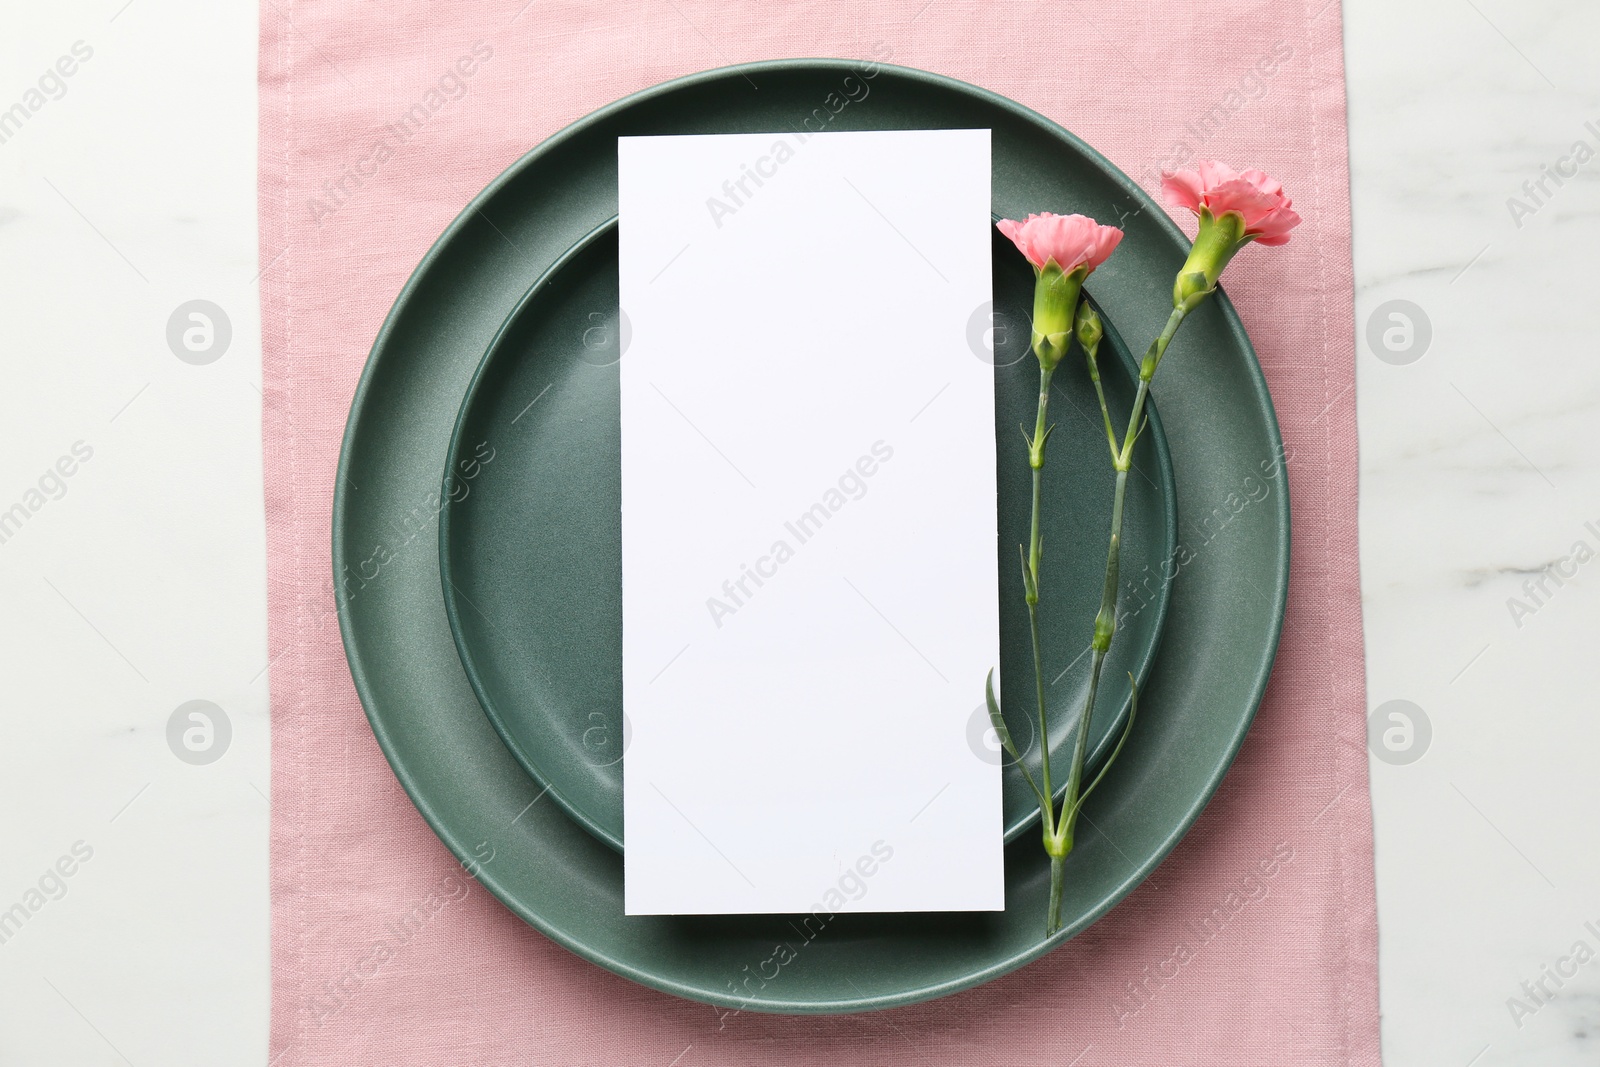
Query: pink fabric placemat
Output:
(1282,969)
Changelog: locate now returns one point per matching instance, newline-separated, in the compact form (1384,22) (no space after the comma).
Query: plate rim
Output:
(1256,688)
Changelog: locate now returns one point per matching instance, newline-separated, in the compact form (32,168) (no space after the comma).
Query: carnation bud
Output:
(1088,327)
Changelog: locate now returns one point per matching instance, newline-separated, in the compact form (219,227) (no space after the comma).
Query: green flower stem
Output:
(1047,811)
(1148,365)
(1036,445)
(1105,627)
(1036,462)
(1057,882)
(1105,412)
(1059,832)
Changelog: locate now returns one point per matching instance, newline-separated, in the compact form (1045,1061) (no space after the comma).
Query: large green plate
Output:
(1222,627)
(530,549)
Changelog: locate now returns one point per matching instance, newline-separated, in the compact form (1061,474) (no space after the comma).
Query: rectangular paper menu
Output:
(809,568)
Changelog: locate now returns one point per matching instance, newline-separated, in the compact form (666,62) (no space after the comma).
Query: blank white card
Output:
(809,577)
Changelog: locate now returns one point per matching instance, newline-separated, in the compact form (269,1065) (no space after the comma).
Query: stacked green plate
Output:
(497,367)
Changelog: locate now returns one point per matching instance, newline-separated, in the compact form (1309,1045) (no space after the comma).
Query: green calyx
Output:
(1219,239)
(1055,299)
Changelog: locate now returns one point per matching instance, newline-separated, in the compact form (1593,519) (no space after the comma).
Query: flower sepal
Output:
(1219,240)
(1055,299)
(1191,290)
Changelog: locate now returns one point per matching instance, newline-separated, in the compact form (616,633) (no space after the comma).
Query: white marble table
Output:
(1478,483)
(136,582)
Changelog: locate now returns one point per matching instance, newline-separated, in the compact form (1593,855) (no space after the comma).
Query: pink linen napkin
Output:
(1290,976)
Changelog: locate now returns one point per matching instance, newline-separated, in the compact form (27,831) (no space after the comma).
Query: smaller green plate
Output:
(530,541)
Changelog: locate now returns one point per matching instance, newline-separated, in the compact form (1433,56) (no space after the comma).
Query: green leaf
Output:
(1010,746)
(1027,575)
(1143,425)
(1133,711)
(996,720)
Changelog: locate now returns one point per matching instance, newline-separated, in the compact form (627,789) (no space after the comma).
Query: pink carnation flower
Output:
(1073,241)
(1251,194)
